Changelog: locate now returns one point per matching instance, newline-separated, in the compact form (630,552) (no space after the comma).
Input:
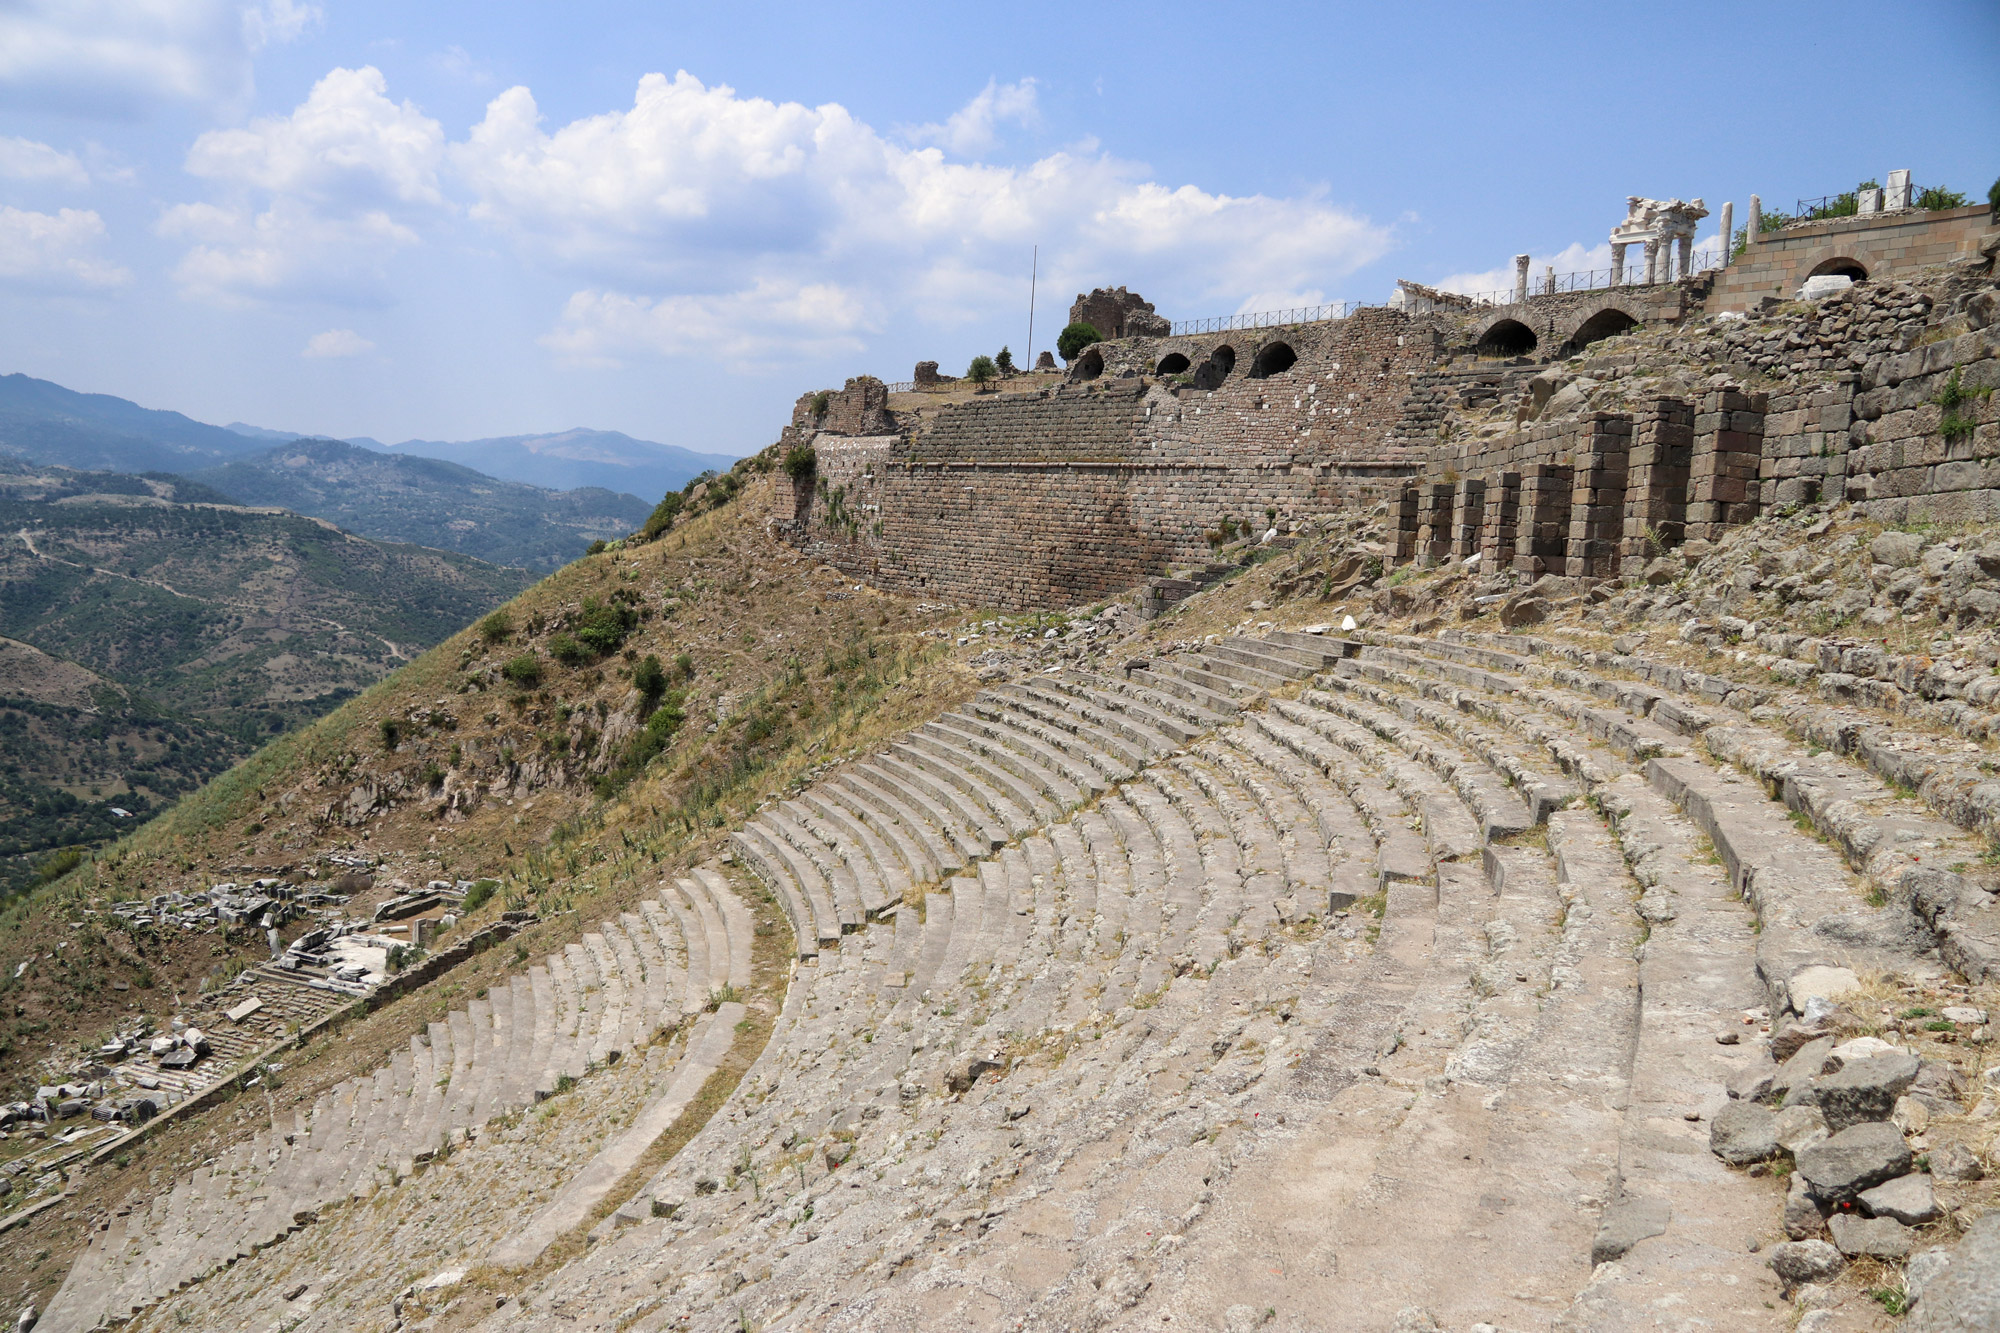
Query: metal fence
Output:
(1266,319)
(1598,279)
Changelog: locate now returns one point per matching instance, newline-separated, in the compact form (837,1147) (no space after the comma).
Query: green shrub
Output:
(602,626)
(821,401)
(525,671)
(649,677)
(497,626)
(1936,198)
(1993,198)
(595,548)
(476,897)
(58,864)
(391,732)
(663,514)
(684,664)
(1004,362)
(800,460)
(567,648)
(1075,338)
(981,370)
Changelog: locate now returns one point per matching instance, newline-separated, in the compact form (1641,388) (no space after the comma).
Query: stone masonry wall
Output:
(1019,501)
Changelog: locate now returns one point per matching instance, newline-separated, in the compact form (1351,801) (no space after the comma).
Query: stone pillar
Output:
(1728,234)
(1656,483)
(1755,220)
(1549,280)
(1617,263)
(1728,446)
(1541,532)
(1652,261)
(1406,523)
(1434,522)
(1520,278)
(1498,517)
(1468,504)
(1687,255)
(1899,193)
(1597,494)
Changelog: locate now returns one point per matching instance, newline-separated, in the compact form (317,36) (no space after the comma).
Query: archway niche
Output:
(1273,359)
(1840,268)
(1509,337)
(1090,365)
(1173,363)
(1216,369)
(1606,323)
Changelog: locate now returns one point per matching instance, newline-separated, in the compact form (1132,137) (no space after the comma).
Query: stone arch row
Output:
(1633,485)
(1272,358)
(1508,336)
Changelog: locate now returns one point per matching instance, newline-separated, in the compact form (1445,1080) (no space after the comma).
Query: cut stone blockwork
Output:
(1657,482)
(1541,544)
(1500,514)
(1728,444)
(1468,505)
(1597,499)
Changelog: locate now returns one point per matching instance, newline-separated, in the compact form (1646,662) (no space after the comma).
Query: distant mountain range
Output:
(530,500)
(394,497)
(560,461)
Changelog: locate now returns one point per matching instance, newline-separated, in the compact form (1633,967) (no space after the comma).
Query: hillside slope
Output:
(428,502)
(573,458)
(202,628)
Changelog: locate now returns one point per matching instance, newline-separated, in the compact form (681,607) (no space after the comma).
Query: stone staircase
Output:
(579,1010)
(1389,983)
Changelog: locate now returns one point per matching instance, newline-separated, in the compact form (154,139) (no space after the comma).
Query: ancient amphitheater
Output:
(1626,966)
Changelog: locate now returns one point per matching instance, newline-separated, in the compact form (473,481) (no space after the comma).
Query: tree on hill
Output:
(981,370)
(1075,338)
(1005,362)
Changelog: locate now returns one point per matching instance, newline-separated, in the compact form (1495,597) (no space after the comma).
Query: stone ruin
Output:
(1117,313)
(1658,225)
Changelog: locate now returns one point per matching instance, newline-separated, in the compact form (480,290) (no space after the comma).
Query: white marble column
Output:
(1756,218)
(1728,234)
(1521,277)
(1617,263)
(1652,261)
(1687,253)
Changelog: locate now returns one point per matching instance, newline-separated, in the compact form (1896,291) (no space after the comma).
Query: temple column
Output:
(1617,263)
(1652,261)
(1520,278)
(1728,234)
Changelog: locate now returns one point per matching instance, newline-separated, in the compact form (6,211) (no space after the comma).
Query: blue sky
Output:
(449,220)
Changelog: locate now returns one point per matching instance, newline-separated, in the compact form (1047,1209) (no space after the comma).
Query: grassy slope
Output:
(791,666)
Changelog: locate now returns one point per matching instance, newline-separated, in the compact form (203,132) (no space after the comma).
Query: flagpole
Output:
(1034,271)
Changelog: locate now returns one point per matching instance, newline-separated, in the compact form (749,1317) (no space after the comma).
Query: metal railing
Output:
(1599,279)
(1267,319)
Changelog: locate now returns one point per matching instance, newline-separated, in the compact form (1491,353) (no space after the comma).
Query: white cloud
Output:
(598,328)
(974,127)
(337,343)
(26,160)
(343,180)
(277,22)
(286,252)
(696,203)
(55,252)
(346,141)
(123,57)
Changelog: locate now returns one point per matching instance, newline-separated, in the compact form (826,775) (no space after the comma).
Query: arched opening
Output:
(1216,369)
(1273,359)
(1090,365)
(1840,268)
(1604,324)
(1509,337)
(1173,363)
